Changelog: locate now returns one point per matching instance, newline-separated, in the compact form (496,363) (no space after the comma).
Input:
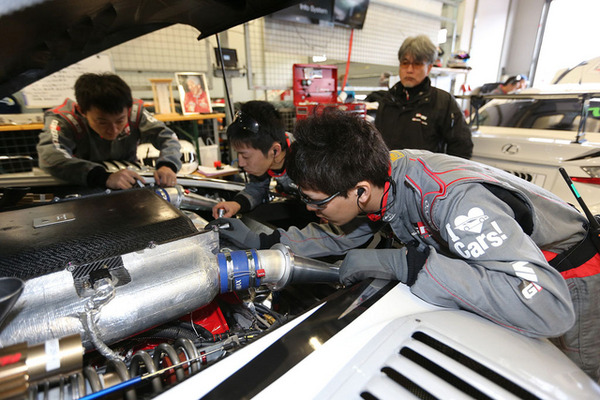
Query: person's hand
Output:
(238,233)
(164,176)
(230,207)
(123,179)
(415,260)
(360,264)
(393,264)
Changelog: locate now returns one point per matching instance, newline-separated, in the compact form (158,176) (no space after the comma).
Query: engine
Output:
(123,293)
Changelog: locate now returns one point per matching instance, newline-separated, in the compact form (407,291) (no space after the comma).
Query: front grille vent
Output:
(436,362)
(522,175)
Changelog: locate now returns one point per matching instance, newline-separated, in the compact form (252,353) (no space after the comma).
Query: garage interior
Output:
(204,315)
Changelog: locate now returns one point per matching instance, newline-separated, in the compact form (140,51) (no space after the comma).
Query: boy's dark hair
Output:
(107,92)
(270,127)
(334,151)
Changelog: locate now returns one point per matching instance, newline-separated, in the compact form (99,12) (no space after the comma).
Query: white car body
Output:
(399,348)
(587,71)
(536,154)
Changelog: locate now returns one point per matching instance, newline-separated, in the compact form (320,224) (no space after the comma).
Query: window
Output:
(561,114)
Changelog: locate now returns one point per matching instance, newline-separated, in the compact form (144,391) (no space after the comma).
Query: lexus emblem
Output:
(510,148)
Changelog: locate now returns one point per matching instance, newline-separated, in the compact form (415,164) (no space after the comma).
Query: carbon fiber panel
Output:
(44,239)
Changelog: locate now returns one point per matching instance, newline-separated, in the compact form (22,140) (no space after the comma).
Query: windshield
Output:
(556,114)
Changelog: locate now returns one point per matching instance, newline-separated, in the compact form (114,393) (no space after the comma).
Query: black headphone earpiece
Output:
(360,192)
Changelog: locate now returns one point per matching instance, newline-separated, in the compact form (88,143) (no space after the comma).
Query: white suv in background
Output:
(533,133)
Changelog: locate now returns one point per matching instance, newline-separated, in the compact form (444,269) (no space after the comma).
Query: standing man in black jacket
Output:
(415,115)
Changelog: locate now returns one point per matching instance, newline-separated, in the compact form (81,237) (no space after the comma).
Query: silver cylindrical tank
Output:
(167,281)
(162,283)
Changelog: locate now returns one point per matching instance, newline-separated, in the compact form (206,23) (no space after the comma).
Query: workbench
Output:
(25,127)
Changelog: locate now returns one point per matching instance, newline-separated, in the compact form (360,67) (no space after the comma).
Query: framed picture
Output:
(193,93)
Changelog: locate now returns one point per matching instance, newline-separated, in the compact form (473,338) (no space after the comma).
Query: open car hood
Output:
(39,37)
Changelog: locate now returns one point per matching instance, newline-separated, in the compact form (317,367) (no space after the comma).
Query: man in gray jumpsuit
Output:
(475,238)
(258,135)
(105,123)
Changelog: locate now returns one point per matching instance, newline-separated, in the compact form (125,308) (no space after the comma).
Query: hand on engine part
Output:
(238,233)
(123,179)
(230,209)
(165,176)
(394,264)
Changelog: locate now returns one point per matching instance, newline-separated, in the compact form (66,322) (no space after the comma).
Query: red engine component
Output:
(211,317)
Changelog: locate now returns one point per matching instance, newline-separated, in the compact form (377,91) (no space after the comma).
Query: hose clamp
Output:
(251,268)
(230,273)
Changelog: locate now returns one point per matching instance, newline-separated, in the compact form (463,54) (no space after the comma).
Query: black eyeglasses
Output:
(317,204)
(246,122)
(415,64)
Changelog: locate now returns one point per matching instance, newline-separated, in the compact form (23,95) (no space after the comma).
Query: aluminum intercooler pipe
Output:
(147,288)
(184,199)
(275,268)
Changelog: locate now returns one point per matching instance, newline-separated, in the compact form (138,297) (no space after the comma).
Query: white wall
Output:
(465,18)
(522,36)
(233,38)
(487,41)
(569,37)
(500,36)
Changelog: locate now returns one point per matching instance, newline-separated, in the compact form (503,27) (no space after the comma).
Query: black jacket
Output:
(423,117)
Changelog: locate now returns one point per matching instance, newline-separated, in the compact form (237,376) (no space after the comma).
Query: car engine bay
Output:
(139,287)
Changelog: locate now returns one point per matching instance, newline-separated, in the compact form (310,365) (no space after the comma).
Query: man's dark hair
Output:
(334,151)
(270,127)
(107,92)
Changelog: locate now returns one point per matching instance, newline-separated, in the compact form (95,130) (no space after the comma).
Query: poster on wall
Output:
(193,93)
(54,89)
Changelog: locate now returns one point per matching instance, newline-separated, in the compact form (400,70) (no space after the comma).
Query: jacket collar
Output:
(399,92)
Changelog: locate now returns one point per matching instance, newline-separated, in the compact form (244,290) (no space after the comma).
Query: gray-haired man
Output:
(415,115)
